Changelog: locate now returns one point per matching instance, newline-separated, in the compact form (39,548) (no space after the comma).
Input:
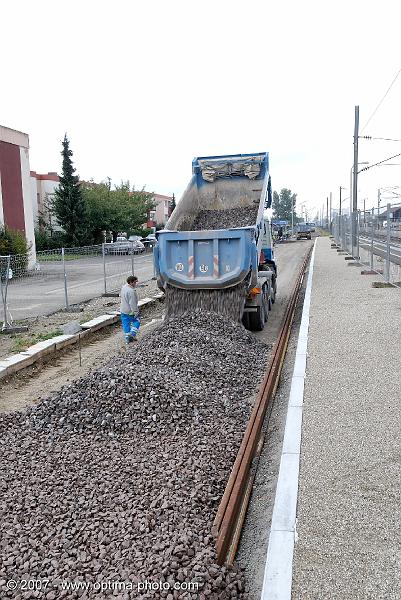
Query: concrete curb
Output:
(17,362)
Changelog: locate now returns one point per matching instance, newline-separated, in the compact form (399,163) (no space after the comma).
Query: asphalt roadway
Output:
(43,292)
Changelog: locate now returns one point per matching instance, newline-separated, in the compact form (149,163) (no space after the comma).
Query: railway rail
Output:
(231,512)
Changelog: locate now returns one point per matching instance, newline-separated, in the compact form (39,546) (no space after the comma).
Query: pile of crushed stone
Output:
(117,477)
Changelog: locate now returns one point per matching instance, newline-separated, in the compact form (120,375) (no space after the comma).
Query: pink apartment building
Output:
(15,190)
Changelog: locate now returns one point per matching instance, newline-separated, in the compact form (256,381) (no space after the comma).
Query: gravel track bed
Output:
(118,476)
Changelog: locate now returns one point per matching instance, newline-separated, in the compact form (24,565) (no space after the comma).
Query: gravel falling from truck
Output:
(229,303)
(117,477)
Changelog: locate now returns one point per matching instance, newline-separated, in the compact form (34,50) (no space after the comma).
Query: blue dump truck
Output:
(218,237)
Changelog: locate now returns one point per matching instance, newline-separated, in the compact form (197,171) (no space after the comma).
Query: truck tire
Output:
(273,291)
(258,319)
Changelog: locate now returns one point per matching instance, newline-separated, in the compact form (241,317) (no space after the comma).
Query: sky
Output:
(143,87)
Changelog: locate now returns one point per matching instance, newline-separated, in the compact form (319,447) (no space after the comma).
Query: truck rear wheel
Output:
(273,291)
(258,318)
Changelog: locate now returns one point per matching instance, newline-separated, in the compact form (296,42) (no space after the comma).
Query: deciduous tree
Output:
(283,204)
(114,210)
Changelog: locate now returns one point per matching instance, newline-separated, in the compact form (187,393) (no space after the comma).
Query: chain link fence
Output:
(373,237)
(64,277)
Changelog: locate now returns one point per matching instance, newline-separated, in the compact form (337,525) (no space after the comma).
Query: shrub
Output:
(142,232)
(46,242)
(12,242)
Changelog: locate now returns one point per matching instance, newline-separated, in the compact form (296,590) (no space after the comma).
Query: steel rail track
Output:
(231,512)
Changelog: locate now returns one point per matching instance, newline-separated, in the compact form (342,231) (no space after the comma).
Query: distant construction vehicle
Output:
(304,231)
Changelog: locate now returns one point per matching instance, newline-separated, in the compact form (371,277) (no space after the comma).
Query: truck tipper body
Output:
(224,192)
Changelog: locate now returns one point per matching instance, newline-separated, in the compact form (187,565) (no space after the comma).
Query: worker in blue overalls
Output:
(129,309)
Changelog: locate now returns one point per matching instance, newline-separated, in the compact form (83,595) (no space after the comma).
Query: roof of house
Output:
(46,177)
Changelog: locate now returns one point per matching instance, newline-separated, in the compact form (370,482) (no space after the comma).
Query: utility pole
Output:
(327,212)
(339,218)
(378,208)
(330,213)
(355,181)
(292,218)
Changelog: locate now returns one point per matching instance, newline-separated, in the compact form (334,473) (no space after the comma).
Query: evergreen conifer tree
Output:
(172,205)
(69,203)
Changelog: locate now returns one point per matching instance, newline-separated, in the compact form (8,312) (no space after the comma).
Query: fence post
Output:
(388,244)
(132,259)
(4,291)
(154,266)
(371,239)
(104,269)
(67,306)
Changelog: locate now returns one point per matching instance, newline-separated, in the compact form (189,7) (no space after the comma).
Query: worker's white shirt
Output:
(129,300)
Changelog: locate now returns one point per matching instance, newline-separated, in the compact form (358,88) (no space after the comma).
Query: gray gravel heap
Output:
(118,476)
(225,219)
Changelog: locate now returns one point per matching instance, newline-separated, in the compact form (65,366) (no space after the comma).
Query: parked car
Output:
(149,241)
(137,244)
(124,247)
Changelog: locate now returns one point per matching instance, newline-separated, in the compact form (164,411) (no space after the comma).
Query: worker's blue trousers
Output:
(130,325)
